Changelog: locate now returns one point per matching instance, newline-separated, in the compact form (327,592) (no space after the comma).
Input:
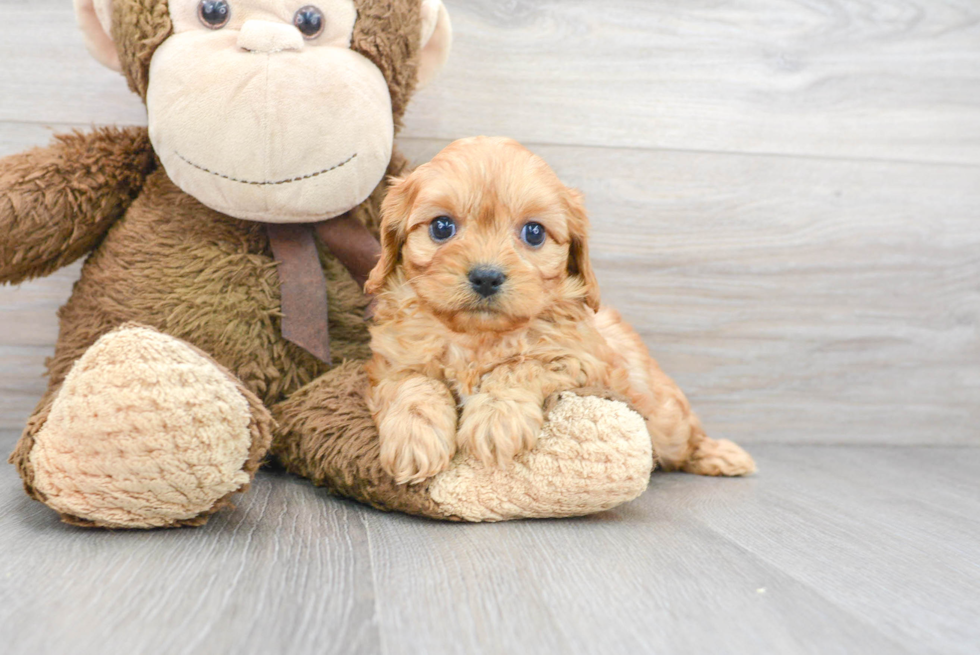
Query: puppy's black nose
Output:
(487,281)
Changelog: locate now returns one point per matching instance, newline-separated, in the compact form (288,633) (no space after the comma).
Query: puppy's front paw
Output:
(495,430)
(417,441)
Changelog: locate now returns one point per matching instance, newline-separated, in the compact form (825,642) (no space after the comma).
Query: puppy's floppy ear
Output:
(579,264)
(395,211)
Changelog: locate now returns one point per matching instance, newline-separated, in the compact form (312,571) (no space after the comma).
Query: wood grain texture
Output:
(895,79)
(289,571)
(828,550)
(604,585)
(48,77)
(862,528)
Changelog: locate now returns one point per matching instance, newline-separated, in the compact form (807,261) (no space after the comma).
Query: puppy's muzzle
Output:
(487,280)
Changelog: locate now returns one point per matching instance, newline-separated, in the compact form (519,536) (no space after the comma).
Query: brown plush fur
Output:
(439,345)
(209,280)
(138,29)
(386,33)
(161,259)
(65,197)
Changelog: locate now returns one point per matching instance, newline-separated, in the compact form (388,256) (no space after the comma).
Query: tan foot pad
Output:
(145,432)
(593,455)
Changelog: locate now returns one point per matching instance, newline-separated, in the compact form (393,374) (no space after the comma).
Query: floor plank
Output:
(826,550)
(605,585)
(264,578)
(892,558)
(899,80)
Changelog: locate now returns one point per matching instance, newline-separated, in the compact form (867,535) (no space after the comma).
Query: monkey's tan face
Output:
(305,129)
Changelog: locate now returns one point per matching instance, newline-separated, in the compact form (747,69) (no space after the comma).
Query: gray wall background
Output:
(785,194)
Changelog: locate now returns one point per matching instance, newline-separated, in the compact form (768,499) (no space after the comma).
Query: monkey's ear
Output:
(395,211)
(95,19)
(437,39)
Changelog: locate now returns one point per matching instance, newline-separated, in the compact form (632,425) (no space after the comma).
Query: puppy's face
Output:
(487,237)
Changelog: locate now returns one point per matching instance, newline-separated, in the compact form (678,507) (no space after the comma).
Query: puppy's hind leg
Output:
(719,457)
(680,441)
(678,438)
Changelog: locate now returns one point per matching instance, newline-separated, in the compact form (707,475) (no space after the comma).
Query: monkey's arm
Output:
(56,203)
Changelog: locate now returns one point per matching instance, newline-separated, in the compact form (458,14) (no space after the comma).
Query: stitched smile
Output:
(268,183)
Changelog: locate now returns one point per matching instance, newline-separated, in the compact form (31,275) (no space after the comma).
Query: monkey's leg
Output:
(145,432)
(593,454)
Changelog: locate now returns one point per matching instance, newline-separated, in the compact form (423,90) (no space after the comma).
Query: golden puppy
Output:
(487,305)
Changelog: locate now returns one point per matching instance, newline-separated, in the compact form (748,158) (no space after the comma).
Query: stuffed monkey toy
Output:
(219,319)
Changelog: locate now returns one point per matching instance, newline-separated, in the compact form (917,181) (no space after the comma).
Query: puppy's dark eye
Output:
(442,229)
(213,14)
(309,21)
(533,234)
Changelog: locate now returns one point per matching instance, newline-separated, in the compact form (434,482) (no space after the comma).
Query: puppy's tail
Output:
(675,430)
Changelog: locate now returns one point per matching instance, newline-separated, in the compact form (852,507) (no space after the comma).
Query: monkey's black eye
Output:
(442,229)
(533,234)
(214,14)
(309,21)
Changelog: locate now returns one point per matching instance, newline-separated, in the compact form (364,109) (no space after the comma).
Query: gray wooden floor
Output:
(830,550)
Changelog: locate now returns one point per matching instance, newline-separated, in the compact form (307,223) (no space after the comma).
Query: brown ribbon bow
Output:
(301,279)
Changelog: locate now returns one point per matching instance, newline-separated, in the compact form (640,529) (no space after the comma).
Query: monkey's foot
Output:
(145,432)
(592,455)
